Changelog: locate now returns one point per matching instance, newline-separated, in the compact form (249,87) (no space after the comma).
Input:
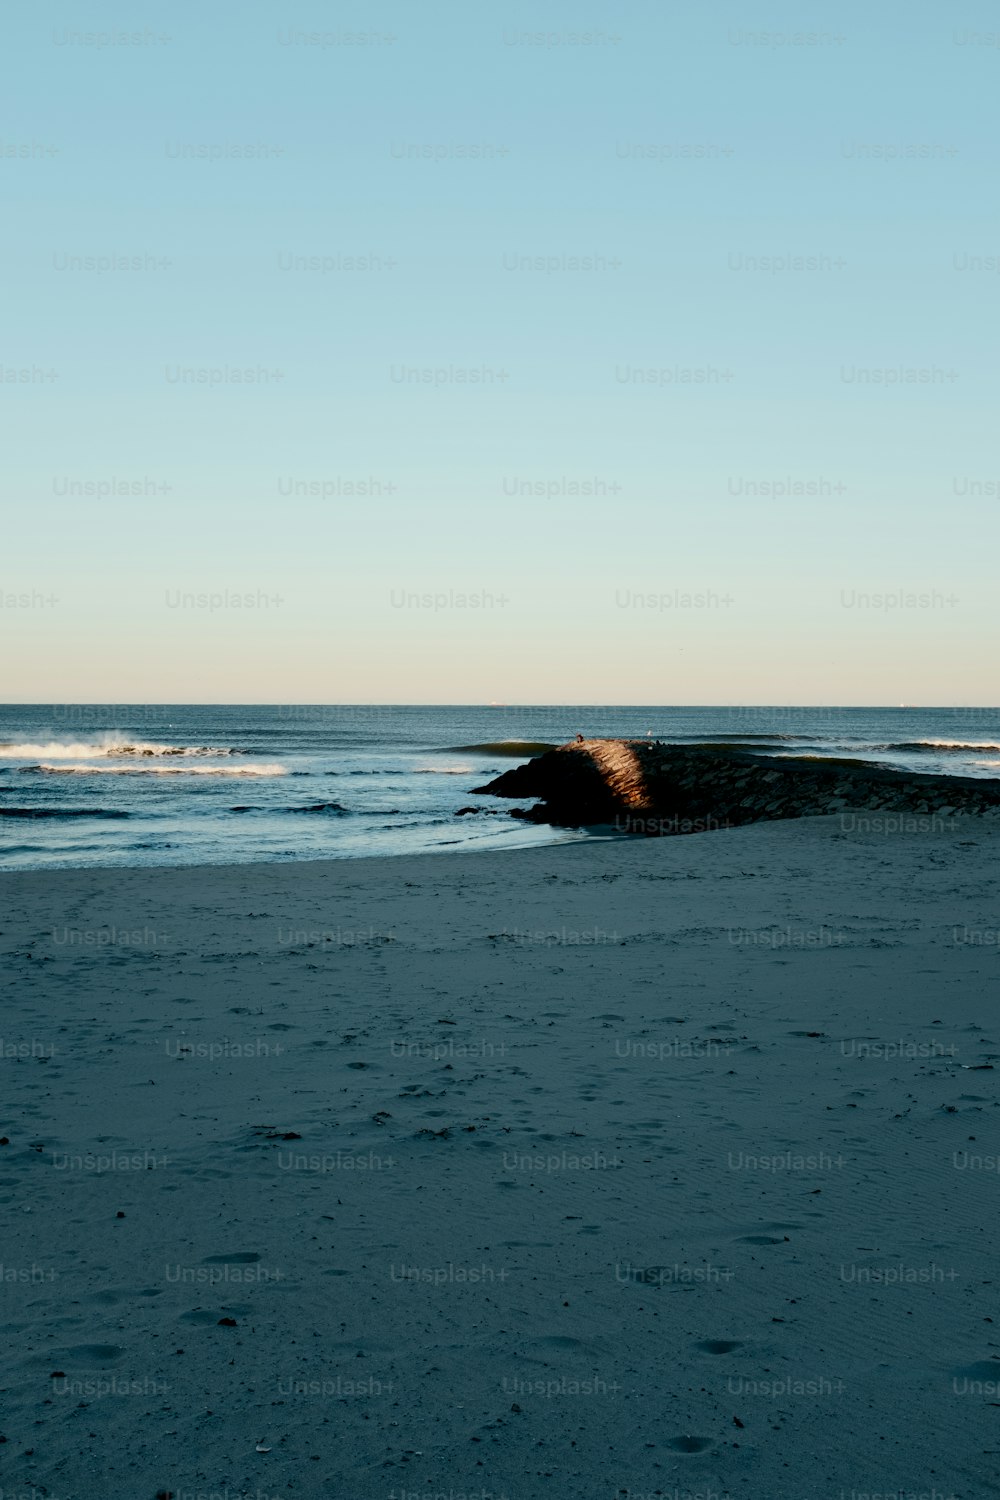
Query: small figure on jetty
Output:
(579,739)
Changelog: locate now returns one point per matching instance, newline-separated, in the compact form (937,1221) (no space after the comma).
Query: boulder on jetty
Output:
(648,787)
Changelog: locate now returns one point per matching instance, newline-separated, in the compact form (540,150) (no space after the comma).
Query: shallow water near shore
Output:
(176,784)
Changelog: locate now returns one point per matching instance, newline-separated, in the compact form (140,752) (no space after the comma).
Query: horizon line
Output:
(289,703)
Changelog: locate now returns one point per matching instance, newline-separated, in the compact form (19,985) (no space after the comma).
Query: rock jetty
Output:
(647,787)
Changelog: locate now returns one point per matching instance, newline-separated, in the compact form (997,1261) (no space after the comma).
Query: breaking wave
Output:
(937,745)
(99,749)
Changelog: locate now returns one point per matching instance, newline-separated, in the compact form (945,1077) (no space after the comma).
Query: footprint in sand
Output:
(205,1315)
(111,1296)
(560,1341)
(688,1444)
(777,1237)
(101,1354)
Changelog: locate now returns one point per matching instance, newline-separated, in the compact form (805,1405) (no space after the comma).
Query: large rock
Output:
(647,787)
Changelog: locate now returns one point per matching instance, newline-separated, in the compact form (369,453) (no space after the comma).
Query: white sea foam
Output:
(134,770)
(108,745)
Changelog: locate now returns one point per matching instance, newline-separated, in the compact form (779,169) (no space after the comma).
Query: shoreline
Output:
(596,834)
(860,820)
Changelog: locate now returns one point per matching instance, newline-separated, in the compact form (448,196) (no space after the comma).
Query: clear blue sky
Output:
(454,147)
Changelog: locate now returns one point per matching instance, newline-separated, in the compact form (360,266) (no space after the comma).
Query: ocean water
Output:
(171,784)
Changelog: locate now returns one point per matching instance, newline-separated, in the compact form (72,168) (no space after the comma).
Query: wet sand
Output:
(614,1168)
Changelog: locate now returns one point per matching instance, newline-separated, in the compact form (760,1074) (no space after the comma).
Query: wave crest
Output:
(947,745)
(514,748)
(319,807)
(108,745)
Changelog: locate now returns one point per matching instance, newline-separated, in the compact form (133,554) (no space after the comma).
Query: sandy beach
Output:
(619,1168)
